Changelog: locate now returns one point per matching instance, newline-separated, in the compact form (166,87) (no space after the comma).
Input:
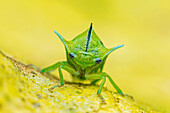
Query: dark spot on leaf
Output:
(50,90)
(71,109)
(20,90)
(51,96)
(22,99)
(2,66)
(0,105)
(39,96)
(95,111)
(36,104)
(33,72)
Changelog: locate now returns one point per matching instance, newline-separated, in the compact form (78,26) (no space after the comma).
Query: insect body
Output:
(86,56)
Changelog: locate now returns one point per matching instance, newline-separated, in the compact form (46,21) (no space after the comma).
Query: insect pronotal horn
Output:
(89,37)
(114,48)
(61,38)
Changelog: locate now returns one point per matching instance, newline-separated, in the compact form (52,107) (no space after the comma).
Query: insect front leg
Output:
(97,77)
(92,76)
(95,81)
(69,69)
(61,78)
(52,67)
(113,83)
(64,65)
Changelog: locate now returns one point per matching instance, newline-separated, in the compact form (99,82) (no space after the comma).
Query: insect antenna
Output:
(89,37)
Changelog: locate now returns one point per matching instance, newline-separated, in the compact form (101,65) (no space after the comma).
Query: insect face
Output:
(85,59)
(86,49)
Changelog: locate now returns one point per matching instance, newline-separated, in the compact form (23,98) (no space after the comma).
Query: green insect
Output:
(86,56)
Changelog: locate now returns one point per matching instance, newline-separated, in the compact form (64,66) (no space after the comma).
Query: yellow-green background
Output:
(141,68)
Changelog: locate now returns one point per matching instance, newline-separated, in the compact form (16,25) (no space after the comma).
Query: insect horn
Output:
(89,37)
(112,49)
(62,39)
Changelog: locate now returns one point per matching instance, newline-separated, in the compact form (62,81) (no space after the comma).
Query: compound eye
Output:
(97,60)
(71,55)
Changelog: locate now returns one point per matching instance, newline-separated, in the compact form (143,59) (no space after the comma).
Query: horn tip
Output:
(121,45)
(91,25)
(55,32)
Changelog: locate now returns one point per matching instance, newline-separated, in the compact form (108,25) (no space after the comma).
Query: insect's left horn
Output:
(113,49)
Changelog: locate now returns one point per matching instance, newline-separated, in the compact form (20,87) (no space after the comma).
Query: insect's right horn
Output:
(62,39)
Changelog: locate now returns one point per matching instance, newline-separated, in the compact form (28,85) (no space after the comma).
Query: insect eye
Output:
(97,60)
(71,55)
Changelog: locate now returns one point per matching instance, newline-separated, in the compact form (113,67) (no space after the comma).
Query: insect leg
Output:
(113,83)
(101,85)
(69,69)
(61,76)
(52,67)
(98,76)
(61,79)
(95,81)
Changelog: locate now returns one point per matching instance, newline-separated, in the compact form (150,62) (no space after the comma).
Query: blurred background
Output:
(140,68)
